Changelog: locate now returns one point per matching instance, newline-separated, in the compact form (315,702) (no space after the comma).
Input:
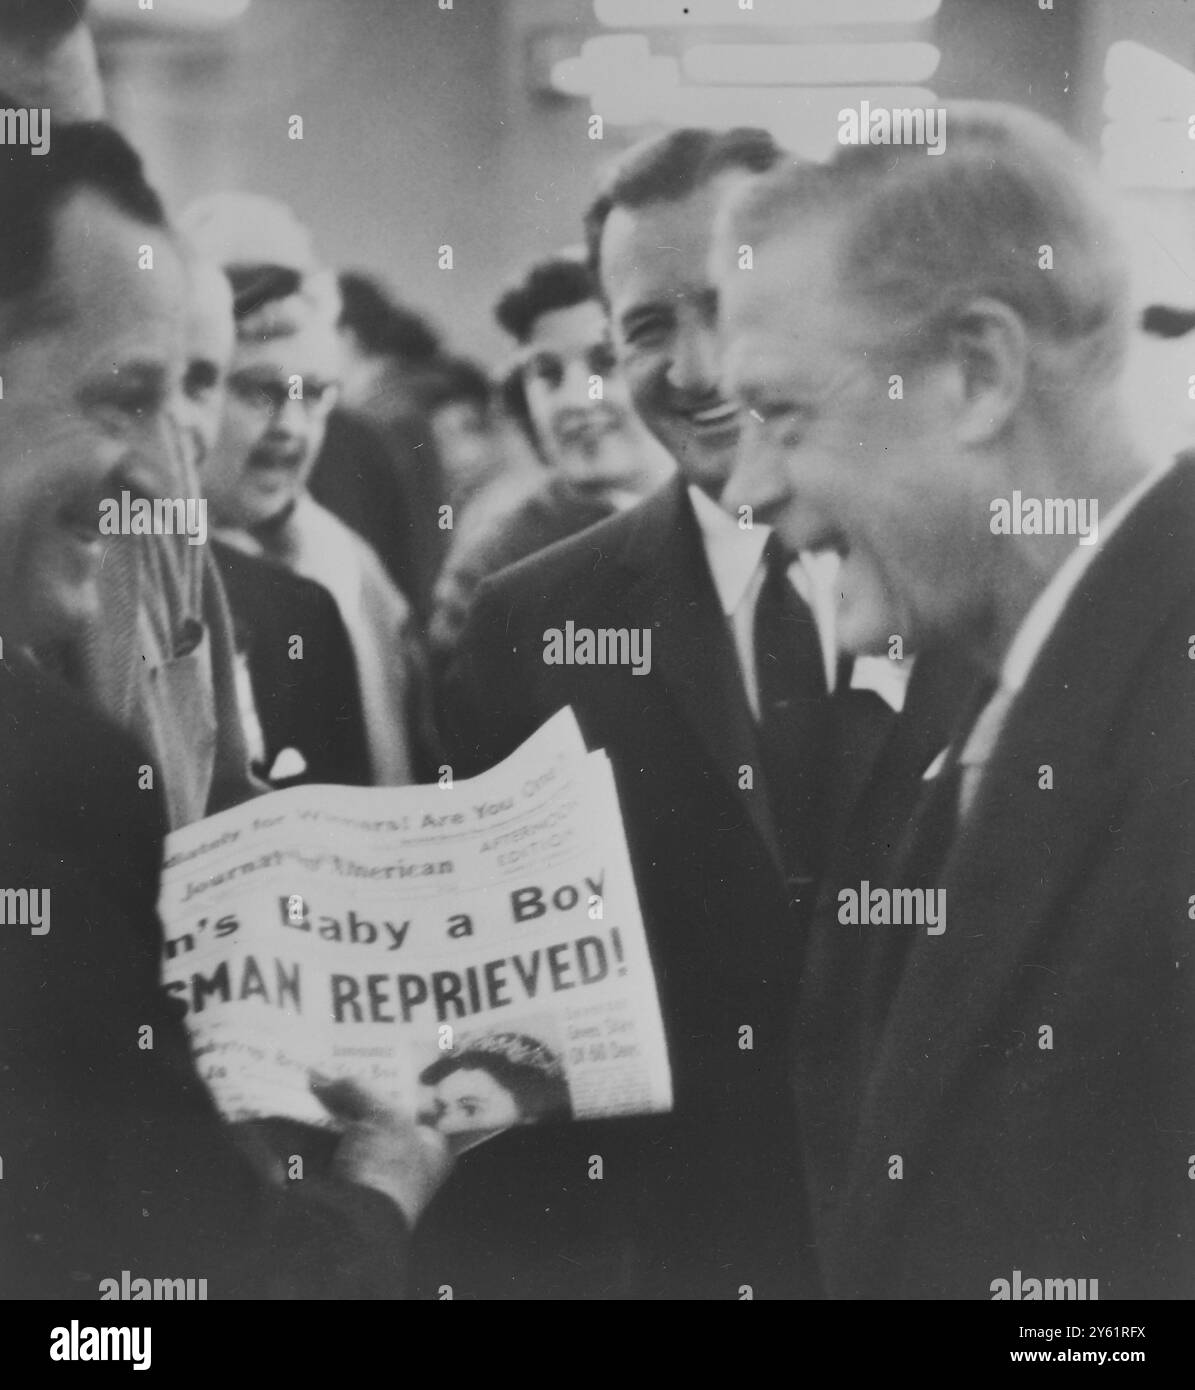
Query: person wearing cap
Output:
(282,385)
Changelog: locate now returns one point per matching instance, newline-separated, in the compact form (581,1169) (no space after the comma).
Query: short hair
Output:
(668,168)
(39,22)
(523,1065)
(557,282)
(922,236)
(455,379)
(383,327)
(84,155)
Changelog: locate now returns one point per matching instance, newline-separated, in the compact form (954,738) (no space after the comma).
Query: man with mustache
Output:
(115,1157)
(1017,1091)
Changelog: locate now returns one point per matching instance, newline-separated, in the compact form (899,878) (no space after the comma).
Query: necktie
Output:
(935,818)
(977,751)
(794,724)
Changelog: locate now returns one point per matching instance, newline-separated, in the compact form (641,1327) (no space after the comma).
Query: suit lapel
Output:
(1021,846)
(672,591)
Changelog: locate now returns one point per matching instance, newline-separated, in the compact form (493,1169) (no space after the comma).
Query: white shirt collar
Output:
(733,551)
(734,554)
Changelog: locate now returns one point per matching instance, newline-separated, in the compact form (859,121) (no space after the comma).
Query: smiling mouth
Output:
(586,429)
(827,542)
(268,463)
(724,413)
(80,519)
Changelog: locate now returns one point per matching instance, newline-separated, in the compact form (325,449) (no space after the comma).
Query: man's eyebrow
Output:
(202,371)
(643,311)
(146,376)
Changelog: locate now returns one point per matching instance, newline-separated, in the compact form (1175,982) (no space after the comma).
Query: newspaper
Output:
(473,952)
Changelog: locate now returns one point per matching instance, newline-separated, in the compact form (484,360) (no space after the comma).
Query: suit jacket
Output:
(114,1156)
(311,705)
(846,969)
(158,659)
(714,1180)
(1033,1063)
(550,513)
(356,478)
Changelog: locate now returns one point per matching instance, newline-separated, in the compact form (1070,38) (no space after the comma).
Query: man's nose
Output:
(291,416)
(574,386)
(759,480)
(154,465)
(696,361)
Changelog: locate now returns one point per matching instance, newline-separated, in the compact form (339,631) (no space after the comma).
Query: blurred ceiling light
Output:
(786,14)
(190,14)
(1144,83)
(803,119)
(796,63)
(1154,154)
(619,75)
(1149,141)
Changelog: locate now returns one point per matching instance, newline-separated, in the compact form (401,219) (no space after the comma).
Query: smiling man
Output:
(911,357)
(571,398)
(116,1157)
(282,385)
(718,752)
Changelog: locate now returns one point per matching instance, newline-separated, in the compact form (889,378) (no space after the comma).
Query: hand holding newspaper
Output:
(474,952)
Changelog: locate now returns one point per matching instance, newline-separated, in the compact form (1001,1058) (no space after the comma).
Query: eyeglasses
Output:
(268,396)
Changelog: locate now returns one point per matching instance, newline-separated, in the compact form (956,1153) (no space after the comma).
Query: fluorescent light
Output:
(1144,84)
(190,14)
(803,119)
(799,64)
(1156,154)
(619,75)
(786,14)
(572,77)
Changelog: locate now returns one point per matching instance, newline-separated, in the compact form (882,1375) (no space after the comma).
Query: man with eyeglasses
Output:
(282,386)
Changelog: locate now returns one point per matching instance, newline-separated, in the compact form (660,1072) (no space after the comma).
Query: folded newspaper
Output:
(474,952)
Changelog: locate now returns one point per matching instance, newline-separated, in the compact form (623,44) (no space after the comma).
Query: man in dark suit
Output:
(929,349)
(354,478)
(114,1156)
(305,700)
(718,746)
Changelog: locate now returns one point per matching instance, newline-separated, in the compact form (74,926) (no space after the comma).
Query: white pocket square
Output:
(289,763)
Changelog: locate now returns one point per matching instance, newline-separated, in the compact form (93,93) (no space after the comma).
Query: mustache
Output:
(575,421)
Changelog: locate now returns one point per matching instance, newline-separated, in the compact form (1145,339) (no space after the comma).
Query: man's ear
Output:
(989,344)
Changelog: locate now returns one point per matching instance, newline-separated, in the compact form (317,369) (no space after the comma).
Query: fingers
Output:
(347,1100)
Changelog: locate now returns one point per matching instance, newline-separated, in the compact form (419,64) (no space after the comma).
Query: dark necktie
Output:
(934,822)
(794,718)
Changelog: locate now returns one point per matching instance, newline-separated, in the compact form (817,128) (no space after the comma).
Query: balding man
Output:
(114,1156)
(927,350)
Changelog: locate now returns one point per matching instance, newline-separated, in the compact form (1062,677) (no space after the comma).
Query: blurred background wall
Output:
(424,126)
